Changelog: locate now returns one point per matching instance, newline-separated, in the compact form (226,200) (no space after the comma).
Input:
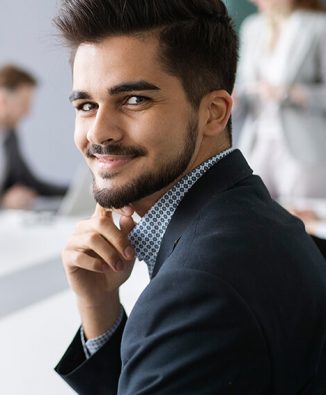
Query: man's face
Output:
(15,105)
(134,124)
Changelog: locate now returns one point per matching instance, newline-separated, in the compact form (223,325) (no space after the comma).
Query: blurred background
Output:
(37,312)
(28,39)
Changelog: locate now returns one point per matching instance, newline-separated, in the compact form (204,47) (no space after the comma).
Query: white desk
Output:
(34,337)
(27,238)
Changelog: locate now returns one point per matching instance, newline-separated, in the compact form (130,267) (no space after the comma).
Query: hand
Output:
(18,197)
(295,94)
(308,217)
(272,92)
(98,259)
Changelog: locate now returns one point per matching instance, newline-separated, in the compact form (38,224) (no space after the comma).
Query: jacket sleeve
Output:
(190,333)
(97,375)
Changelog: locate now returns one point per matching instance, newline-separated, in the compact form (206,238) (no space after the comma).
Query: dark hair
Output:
(13,77)
(197,38)
(311,5)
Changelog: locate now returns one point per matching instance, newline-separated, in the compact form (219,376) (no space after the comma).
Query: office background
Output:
(28,38)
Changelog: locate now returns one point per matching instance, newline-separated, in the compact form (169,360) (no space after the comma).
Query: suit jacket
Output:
(236,304)
(18,172)
(303,62)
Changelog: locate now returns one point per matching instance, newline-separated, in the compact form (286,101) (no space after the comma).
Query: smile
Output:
(112,162)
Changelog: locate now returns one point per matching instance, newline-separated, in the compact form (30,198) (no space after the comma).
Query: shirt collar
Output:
(147,235)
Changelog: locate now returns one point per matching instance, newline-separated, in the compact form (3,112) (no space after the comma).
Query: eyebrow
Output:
(117,89)
(78,95)
(133,86)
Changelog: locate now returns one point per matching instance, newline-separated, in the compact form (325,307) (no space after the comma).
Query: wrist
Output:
(98,318)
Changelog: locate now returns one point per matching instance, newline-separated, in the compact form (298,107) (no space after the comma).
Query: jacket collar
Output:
(227,172)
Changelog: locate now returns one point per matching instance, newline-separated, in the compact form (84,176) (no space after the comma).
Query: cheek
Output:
(80,138)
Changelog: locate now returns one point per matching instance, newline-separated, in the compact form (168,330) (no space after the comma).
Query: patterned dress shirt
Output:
(147,235)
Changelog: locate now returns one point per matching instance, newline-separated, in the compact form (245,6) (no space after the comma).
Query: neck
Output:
(280,14)
(144,205)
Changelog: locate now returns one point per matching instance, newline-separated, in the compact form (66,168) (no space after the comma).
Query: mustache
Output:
(114,149)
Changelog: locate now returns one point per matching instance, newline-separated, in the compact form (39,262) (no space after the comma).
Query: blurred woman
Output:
(281,90)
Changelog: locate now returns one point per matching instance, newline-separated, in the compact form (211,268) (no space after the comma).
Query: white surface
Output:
(27,238)
(33,339)
(317,205)
(320,230)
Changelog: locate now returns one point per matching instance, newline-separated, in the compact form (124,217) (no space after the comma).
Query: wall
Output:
(28,38)
(239,9)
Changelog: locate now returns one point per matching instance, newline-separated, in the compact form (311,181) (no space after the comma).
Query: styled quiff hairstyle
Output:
(13,77)
(197,39)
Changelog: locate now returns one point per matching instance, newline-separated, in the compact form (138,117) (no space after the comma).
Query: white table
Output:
(39,317)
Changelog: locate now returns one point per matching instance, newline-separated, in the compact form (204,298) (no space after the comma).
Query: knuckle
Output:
(92,238)
(102,221)
(97,265)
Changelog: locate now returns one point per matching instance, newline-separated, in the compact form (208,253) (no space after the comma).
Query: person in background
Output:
(19,187)
(281,96)
(152,85)
(315,225)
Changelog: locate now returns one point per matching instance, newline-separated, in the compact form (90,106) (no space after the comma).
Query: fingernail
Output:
(129,253)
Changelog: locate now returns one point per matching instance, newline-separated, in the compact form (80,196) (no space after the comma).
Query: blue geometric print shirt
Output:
(147,235)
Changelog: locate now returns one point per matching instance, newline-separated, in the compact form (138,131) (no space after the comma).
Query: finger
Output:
(104,226)
(102,212)
(96,246)
(126,211)
(75,260)
(126,224)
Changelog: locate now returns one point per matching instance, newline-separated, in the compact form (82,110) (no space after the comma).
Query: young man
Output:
(19,187)
(223,313)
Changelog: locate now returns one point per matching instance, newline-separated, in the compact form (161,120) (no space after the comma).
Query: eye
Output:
(86,107)
(135,100)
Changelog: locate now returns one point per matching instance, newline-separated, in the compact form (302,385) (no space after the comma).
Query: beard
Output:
(149,182)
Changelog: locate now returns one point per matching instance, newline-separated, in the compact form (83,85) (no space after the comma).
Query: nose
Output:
(105,128)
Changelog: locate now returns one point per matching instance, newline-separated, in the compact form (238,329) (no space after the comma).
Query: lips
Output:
(112,162)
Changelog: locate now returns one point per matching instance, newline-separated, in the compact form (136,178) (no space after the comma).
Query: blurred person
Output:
(281,96)
(152,84)
(19,187)
(315,225)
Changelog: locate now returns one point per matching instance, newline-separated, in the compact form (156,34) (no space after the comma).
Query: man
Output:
(224,311)
(19,188)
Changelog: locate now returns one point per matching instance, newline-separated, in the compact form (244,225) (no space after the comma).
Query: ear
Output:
(216,111)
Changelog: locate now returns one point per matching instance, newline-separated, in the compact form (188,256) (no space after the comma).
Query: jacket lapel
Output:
(227,172)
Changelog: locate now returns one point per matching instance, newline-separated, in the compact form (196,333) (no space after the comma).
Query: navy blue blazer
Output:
(236,305)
